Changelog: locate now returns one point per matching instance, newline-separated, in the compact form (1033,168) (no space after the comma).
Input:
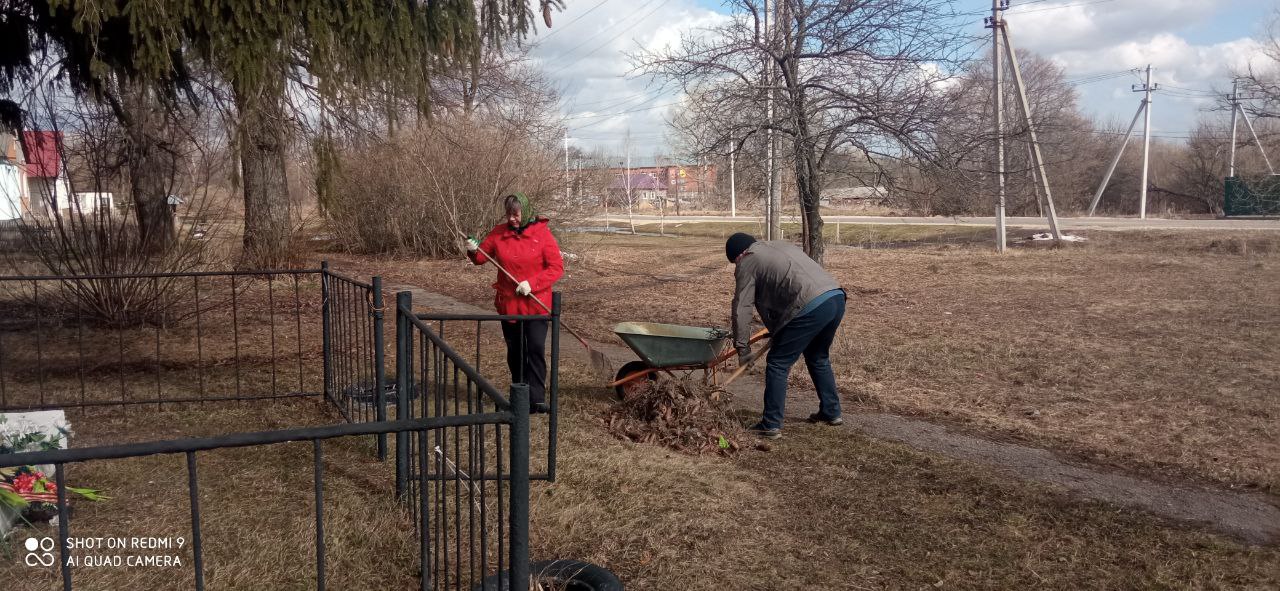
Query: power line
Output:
(1016,11)
(636,110)
(1197,90)
(618,103)
(611,39)
(566,25)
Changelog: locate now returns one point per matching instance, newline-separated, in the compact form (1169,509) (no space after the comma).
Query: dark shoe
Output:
(766,432)
(539,408)
(817,417)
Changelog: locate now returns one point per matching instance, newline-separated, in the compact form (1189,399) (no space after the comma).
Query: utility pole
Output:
(767,76)
(994,23)
(776,175)
(1248,123)
(733,193)
(630,216)
(566,165)
(1235,107)
(1097,196)
(1146,143)
(1031,132)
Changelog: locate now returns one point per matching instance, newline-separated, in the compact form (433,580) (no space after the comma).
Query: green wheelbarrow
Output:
(670,348)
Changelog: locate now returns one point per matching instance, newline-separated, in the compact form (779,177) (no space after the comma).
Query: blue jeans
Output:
(810,334)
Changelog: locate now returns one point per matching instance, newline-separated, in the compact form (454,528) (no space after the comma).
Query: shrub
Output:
(414,193)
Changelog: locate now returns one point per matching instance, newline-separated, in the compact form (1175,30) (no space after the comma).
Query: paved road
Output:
(1095,223)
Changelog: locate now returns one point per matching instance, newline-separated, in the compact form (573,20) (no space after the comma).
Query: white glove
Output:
(472,245)
(523,288)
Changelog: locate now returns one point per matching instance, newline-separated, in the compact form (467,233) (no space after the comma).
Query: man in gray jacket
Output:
(802,306)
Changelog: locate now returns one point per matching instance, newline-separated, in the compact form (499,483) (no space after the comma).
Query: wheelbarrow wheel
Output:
(630,368)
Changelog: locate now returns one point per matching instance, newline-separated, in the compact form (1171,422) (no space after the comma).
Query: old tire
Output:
(631,367)
(561,575)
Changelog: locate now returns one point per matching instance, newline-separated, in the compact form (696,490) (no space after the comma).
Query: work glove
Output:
(523,288)
(472,244)
(744,356)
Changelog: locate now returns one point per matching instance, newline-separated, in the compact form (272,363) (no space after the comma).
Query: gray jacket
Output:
(777,279)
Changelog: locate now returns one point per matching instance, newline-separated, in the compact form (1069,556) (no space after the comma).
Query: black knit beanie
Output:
(737,244)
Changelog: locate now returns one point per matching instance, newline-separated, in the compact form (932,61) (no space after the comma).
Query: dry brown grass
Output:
(1154,351)
(827,508)
(830,509)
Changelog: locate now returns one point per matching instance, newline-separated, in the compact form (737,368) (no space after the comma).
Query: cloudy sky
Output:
(1192,46)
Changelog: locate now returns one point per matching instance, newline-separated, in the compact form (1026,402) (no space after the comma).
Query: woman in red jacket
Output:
(523,245)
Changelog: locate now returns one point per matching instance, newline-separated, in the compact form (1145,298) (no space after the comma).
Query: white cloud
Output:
(1095,38)
(1052,27)
(587,59)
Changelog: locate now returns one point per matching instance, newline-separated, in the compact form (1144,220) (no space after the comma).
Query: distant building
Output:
(48,188)
(645,188)
(683,179)
(13,180)
(34,179)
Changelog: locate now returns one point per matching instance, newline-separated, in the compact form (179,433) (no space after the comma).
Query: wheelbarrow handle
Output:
(742,368)
(728,354)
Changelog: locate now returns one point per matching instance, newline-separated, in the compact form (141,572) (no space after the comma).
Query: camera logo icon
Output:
(39,552)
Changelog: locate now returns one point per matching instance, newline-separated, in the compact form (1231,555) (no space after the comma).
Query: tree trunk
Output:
(261,138)
(152,166)
(808,182)
(809,194)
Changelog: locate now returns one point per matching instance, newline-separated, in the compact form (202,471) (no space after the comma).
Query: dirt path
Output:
(1251,518)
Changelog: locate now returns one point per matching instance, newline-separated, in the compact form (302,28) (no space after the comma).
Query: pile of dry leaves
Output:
(682,414)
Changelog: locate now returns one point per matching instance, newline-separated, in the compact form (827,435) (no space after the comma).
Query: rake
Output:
(599,361)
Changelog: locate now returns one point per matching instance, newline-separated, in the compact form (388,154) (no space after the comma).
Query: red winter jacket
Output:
(531,255)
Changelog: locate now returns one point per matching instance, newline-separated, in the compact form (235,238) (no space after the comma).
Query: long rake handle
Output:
(749,362)
(517,281)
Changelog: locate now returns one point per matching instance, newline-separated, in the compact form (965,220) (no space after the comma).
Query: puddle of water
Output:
(615,230)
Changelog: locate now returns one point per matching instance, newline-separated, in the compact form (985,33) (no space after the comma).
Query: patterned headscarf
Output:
(527,215)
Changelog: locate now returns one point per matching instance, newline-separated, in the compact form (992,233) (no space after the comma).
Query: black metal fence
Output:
(126,340)
(353,350)
(435,361)
(437,516)
(454,481)
(462,453)
(80,342)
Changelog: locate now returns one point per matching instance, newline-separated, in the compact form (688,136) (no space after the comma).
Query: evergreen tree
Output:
(257,48)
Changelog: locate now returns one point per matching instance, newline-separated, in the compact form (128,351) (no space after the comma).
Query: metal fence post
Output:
(554,387)
(325,329)
(379,358)
(404,372)
(519,519)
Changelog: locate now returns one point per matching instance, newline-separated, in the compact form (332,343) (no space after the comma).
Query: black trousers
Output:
(526,355)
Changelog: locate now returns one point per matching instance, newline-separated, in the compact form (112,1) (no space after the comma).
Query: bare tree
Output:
(1074,152)
(1262,80)
(856,77)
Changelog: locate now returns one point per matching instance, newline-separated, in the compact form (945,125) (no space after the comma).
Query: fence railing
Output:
(441,400)
(354,365)
(86,341)
(126,340)
(506,528)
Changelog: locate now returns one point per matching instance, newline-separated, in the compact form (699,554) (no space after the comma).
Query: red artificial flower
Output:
(50,487)
(23,483)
